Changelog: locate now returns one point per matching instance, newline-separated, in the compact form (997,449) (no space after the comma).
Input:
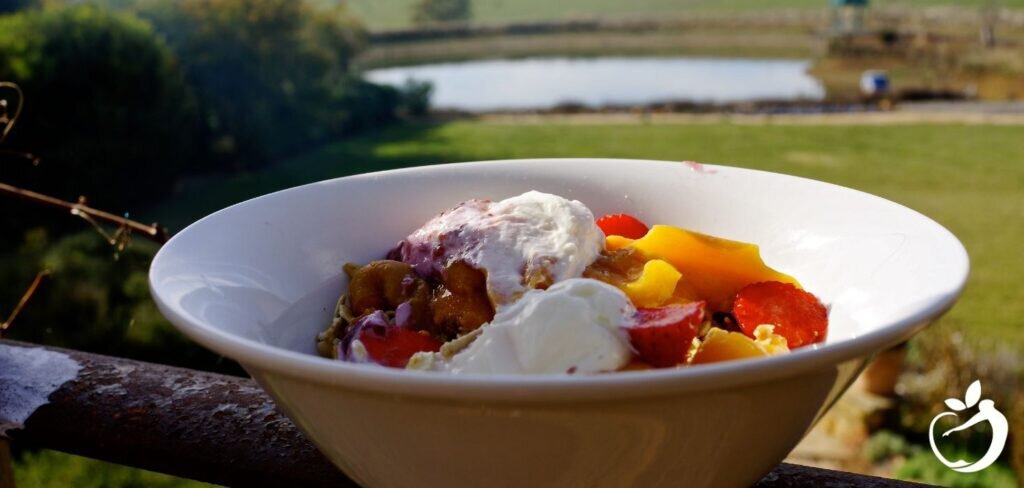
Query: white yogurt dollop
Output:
(523,237)
(576,326)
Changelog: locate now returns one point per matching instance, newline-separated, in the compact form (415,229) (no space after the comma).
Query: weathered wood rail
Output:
(221,429)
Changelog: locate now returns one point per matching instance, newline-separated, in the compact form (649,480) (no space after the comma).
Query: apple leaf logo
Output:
(986,413)
(971,398)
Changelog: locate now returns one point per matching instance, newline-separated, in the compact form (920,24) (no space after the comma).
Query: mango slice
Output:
(713,267)
(721,345)
(655,285)
(614,243)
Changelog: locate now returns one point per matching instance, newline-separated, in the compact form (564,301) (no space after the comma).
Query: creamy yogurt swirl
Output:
(527,241)
(576,326)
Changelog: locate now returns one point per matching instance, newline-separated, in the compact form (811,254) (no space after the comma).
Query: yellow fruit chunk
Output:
(720,345)
(715,268)
(772,343)
(614,243)
(655,285)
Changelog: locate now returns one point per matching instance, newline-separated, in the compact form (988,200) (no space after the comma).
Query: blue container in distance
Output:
(874,82)
(849,3)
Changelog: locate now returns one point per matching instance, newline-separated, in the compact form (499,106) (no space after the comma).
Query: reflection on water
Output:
(545,82)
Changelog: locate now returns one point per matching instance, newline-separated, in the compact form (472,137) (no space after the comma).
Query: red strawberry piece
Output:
(390,345)
(797,315)
(622,225)
(662,336)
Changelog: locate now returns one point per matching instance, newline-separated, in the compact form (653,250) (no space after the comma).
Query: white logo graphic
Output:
(986,413)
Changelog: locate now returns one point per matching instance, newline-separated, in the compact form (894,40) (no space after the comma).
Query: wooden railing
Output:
(220,429)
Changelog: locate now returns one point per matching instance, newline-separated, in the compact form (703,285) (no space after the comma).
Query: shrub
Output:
(922,466)
(8,6)
(106,106)
(273,76)
(416,97)
(942,365)
(94,301)
(885,444)
(367,105)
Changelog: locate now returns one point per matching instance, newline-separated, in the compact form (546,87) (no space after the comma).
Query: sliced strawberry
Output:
(390,345)
(622,225)
(797,315)
(662,336)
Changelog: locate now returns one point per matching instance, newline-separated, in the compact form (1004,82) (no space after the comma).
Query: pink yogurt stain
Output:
(699,168)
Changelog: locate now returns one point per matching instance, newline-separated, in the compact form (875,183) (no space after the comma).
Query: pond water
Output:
(532,83)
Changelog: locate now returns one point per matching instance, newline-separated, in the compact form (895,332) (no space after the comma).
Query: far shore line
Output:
(892,117)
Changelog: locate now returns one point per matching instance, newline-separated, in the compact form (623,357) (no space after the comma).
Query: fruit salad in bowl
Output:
(525,338)
(535,284)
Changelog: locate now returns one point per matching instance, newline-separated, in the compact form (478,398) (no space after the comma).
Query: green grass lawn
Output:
(379,14)
(56,469)
(969,178)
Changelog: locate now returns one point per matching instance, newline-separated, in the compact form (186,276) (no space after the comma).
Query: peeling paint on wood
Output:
(198,425)
(28,375)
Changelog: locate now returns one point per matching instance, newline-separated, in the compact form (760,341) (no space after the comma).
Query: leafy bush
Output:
(922,466)
(110,107)
(8,6)
(942,366)
(94,301)
(885,444)
(106,106)
(114,116)
(273,76)
(416,97)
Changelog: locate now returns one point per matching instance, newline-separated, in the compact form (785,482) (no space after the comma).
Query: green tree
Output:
(106,107)
(94,301)
(427,11)
(8,6)
(273,76)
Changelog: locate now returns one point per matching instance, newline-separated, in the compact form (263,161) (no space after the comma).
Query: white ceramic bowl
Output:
(257,281)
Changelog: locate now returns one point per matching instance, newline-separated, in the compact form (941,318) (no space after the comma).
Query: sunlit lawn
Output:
(969,178)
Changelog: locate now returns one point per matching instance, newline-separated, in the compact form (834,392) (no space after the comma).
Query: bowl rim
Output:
(260,358)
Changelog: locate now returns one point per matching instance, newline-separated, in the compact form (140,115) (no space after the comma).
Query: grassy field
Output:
(969,178)
(53,469)
(396,13)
